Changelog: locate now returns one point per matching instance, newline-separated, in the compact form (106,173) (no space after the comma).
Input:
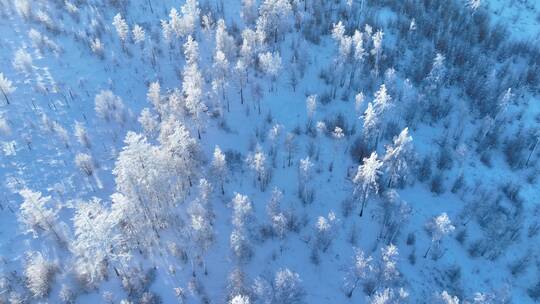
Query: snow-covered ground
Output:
(463,125)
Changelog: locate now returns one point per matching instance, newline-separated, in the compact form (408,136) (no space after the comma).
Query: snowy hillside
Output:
(271,151)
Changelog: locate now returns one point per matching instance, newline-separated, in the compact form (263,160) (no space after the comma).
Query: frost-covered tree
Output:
(23,8)
(225,51)
(359,54)
(383,100)
(325,231)
(375,113)
(35,214)
(399,157)
(192,84)
(438,227)
(274,17)
(474,4)
(97,47)
(436,76)
(240,299)
(237,285)
(154,97)
(270,64)
(97,243)
(345,42)
(224,42)
(361,271)
(242,219)
(371,124)
(274,135)
(389,257)
(311,108)
(182,150)
(147,187)
(252,43)
(389,296)
(66,294)
(122,28)
(220,81)
(22,61)
(219,167)
(366,179)
(279,220)
(359,103)
(139,35)
(345,51)
(39,273)
(242,211)
(257,162)
(291,146)
(376,52)
(445,298)
(85,163)
(182,25)
(202,218)
(5,129)
(149,122)
(109,106)
(82,135)
(6,87)
(394,212)
(287,287)
(249,11)
(305,167)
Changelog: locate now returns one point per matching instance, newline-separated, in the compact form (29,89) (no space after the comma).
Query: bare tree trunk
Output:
(350,293)
(427,251)
(5,96)
(532,152)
